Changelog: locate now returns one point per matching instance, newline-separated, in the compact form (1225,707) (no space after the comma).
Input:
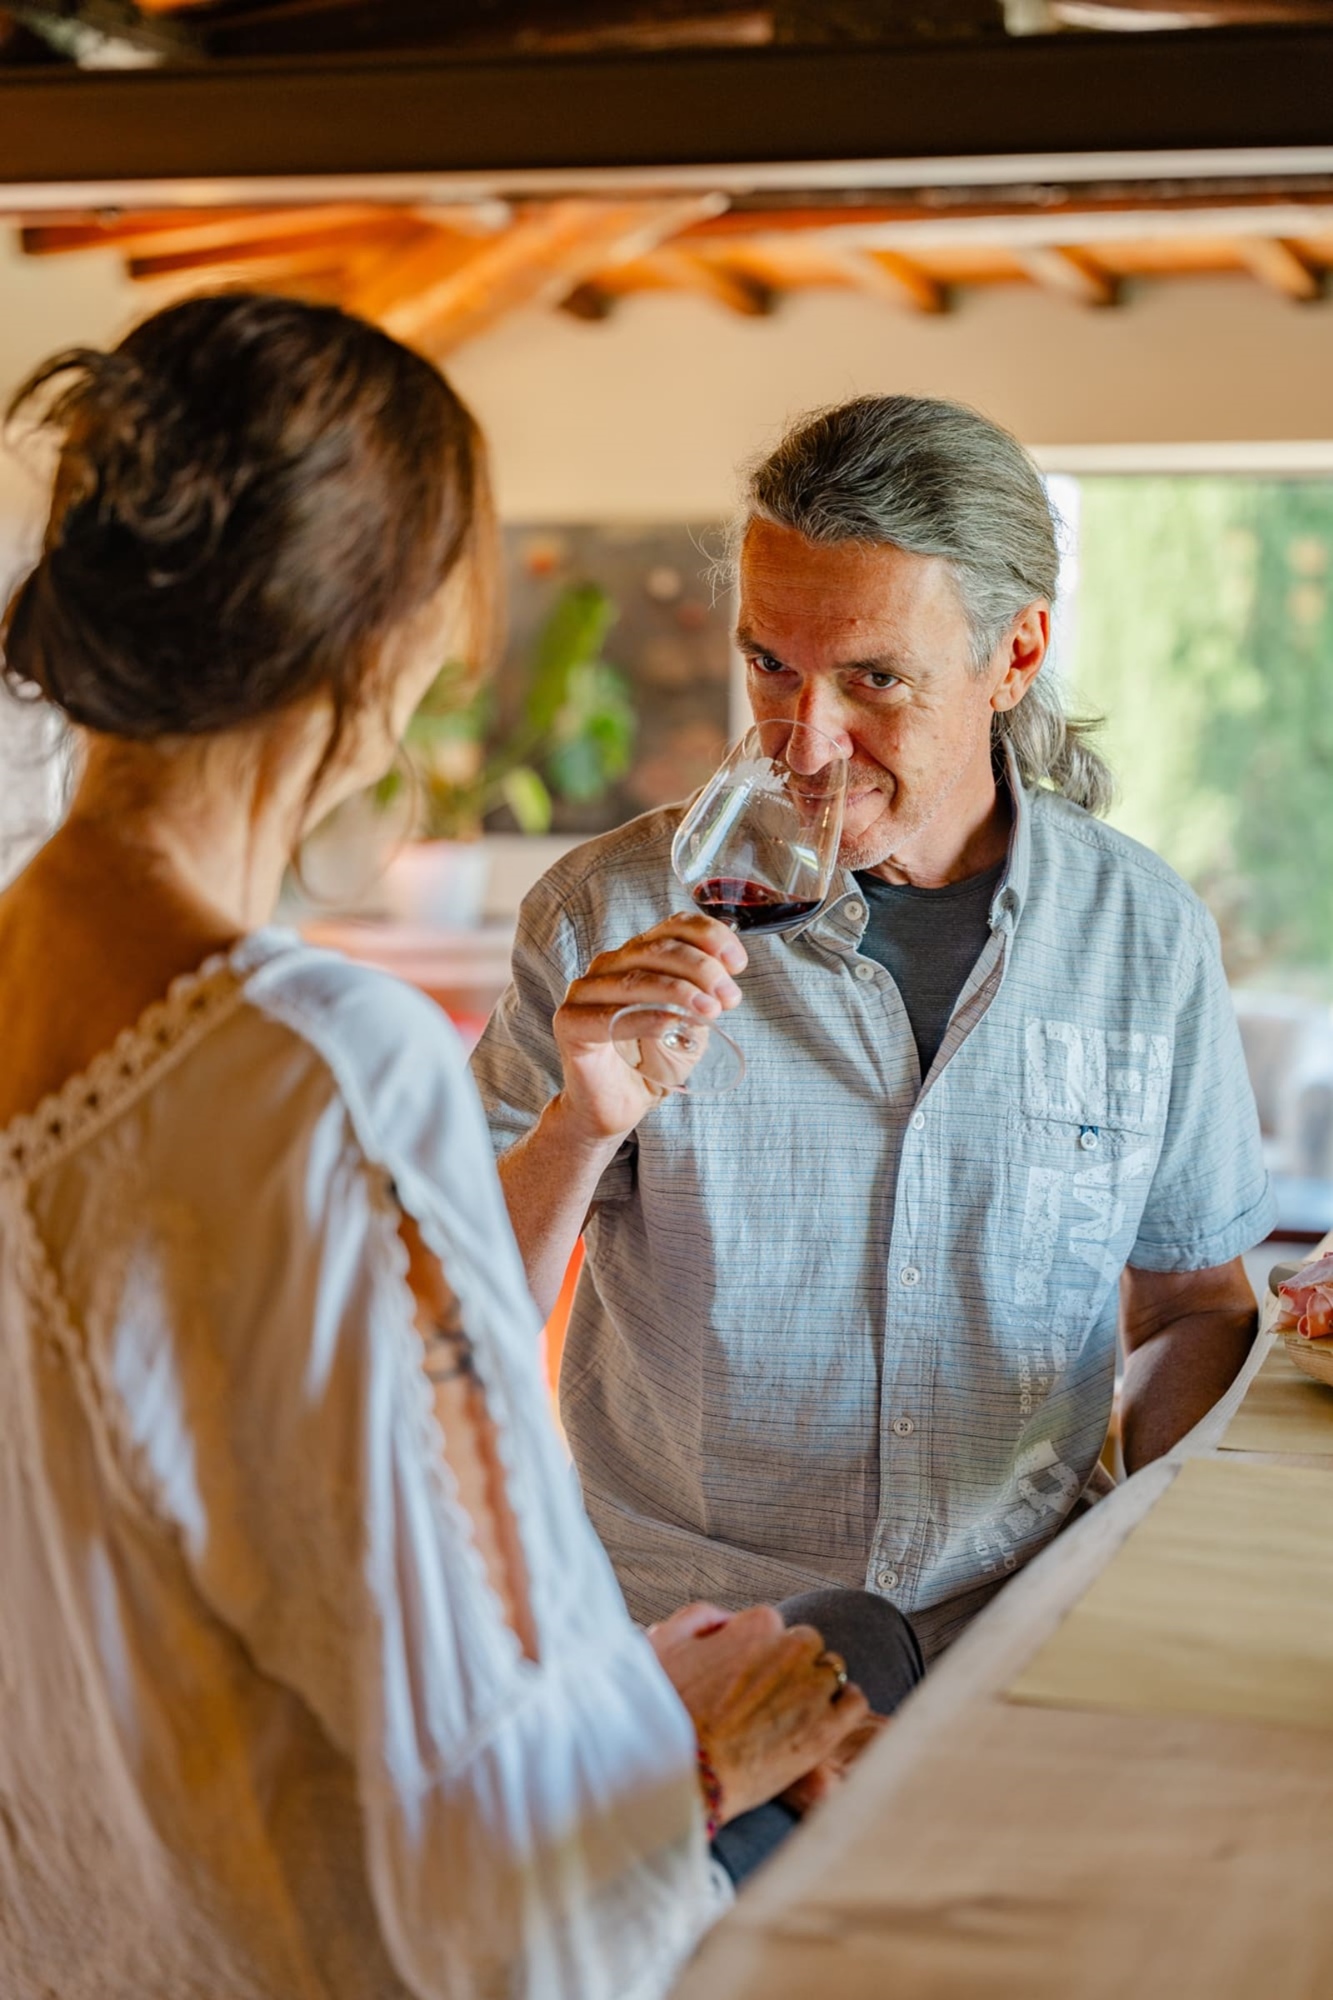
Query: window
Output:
(1199,622)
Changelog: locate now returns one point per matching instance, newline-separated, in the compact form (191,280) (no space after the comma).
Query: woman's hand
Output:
(687,961)
(761,1695)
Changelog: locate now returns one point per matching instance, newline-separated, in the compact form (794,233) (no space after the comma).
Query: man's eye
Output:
(879,681)
(764,663)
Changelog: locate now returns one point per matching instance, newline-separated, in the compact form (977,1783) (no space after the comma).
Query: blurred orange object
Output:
(557,1326)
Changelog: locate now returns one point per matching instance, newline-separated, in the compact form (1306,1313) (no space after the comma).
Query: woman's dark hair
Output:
(252,492)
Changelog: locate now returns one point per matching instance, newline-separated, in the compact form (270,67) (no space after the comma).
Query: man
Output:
(857,1323)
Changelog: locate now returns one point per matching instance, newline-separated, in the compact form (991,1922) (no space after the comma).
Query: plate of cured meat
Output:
(1305,1318)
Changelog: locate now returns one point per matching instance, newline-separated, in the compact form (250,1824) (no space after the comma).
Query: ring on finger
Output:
(838,1665)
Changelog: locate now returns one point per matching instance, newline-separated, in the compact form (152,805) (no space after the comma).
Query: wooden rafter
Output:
(672,269)
(1071,271)
(716,278)
(186,230)
(1283,265)
(906,281)
(438,275)
(541,258)
(400,293)
(808,261)
(317,248)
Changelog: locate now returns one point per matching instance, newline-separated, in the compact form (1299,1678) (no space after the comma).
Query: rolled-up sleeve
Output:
(1210,1199)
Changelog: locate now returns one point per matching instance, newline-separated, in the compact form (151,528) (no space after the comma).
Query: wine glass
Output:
(757,850)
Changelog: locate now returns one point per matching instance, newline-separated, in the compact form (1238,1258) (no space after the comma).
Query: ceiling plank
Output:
(1282,266)
(1071,271)
(546,254)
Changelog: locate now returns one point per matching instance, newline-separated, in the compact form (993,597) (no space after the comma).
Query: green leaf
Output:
(575,771)
(528,799)
(571,637)
(574,732)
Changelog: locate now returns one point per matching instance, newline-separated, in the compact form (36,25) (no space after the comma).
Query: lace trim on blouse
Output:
(92,1097)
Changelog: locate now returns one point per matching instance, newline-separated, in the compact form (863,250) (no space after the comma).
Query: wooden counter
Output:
(1002,1848)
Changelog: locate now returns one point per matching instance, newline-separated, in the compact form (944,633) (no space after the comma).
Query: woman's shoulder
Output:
(368,1013)
(391,1056)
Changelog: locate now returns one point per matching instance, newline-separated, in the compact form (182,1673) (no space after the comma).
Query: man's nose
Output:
(822,713)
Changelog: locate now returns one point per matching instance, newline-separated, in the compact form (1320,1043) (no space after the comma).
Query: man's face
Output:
(871,645)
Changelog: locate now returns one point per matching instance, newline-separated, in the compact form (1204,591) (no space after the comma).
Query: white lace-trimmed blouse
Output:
(265,1732)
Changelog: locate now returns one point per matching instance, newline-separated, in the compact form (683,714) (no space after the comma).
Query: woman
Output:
(315,1680)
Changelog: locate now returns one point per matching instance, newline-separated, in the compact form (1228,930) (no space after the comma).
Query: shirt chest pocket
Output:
(1099,1079)
(1094,1105)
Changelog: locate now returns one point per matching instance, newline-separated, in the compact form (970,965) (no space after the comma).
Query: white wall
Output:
(648,414)
(45,304)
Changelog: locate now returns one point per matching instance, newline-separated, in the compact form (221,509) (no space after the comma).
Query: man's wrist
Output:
(562,1124)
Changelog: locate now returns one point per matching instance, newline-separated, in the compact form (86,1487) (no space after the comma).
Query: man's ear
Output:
(1021,655)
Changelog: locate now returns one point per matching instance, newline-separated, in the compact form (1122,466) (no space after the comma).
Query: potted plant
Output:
(565,732)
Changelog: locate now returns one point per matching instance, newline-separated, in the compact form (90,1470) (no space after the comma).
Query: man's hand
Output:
(687,961)
(550,1176)
(761,1695)
(826,1778)
(1186,1335)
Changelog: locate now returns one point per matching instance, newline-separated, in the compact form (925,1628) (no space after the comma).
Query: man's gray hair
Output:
(939,479)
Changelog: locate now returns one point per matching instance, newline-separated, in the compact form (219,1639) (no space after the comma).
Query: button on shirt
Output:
(777,1277)
(929,939)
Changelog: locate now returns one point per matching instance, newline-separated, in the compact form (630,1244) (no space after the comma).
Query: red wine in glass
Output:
(751,906)
(757,849)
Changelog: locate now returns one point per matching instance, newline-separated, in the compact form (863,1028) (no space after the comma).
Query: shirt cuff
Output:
(1204,1253)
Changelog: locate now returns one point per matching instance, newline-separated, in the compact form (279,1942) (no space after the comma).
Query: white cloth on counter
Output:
(266,1733)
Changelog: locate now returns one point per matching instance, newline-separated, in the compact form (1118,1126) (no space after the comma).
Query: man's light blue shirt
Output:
(846,1326)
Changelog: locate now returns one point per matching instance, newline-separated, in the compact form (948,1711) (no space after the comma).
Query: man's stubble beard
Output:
(886,839)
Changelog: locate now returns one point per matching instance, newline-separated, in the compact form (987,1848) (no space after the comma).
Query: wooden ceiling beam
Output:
(544,256)
(893,276)
(727,284)
(1069,270)
(182,230)
(315,249)
(399,293)
(807,262)
(1059,228)
(1048,205)
(591,302)
(1282,266)
(788,116)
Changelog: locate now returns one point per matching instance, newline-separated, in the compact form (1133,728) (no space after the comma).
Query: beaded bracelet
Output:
(711,1787)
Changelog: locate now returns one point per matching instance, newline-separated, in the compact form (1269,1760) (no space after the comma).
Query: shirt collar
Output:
(842,920)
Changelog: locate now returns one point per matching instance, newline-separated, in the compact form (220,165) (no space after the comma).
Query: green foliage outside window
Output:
(1204,633)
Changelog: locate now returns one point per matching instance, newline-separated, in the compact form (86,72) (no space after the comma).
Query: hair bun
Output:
(251,493)
(135,465)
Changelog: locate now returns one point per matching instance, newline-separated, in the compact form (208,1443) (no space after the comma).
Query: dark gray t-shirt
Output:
(929,940)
